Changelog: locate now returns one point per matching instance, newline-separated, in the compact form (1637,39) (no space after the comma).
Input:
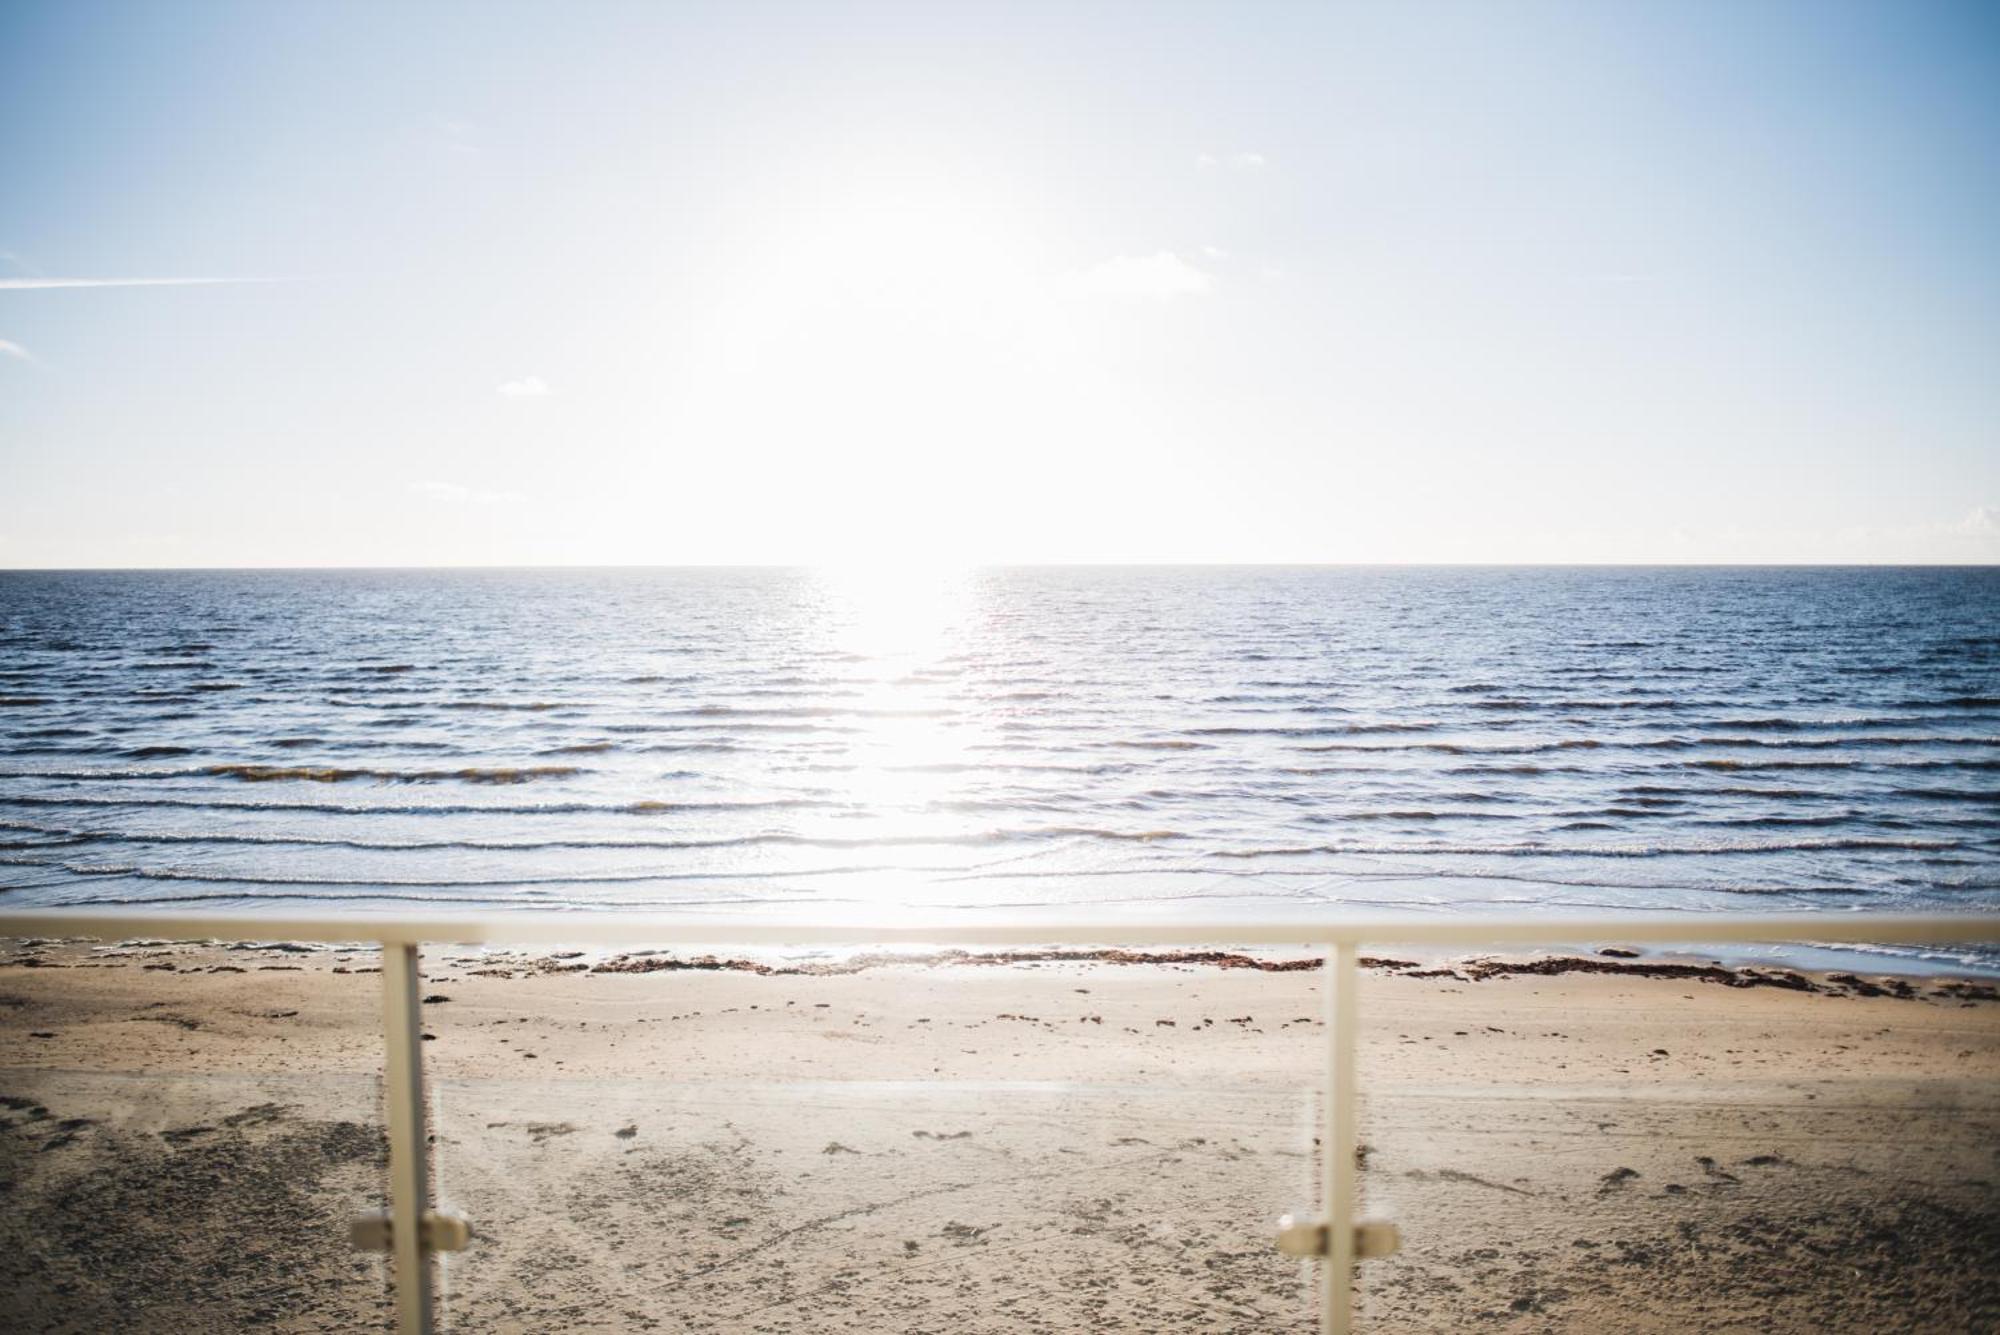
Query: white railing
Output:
(414,1233)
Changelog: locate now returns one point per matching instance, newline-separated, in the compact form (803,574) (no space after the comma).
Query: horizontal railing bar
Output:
(612,929)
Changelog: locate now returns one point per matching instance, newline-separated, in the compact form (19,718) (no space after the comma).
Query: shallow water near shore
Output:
(1214,743)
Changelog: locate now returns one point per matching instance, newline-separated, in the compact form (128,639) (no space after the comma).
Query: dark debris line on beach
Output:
(1612,961)
(1475,971)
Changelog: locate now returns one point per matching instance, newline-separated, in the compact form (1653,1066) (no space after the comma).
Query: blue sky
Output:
(819,283)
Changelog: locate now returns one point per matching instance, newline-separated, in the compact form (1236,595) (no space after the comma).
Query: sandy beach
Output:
(1042,1144)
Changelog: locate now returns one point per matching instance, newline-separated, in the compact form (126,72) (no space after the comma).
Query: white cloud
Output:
(1215,252)
(1982,521)
(1245,161)
(1973,538)
(527,387)
(1160,276)
(9,348)
(451,493)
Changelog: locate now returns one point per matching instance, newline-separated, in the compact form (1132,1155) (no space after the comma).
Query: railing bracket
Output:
(1372,1238)
(441,1232)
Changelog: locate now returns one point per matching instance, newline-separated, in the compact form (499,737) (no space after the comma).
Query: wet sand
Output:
(1039,1144)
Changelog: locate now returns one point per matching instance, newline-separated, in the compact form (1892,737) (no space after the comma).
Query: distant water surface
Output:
(1196,741)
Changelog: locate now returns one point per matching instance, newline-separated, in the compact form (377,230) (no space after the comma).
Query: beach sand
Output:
(1052,1145)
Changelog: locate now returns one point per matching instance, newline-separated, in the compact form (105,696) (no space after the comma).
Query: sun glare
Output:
(905,614)
(902,629)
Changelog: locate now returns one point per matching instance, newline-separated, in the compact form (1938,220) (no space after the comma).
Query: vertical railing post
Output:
(1337,1167)
(409,1158)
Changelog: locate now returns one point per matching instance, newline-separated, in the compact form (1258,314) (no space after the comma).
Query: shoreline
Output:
(1970,985)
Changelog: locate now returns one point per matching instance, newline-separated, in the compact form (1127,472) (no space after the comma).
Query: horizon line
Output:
(1023,565)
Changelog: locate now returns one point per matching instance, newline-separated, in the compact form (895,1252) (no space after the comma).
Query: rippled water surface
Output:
(1216,741)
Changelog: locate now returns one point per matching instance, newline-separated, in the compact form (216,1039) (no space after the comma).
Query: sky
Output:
(441,284)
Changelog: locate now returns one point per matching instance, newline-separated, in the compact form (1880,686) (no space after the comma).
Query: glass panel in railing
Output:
(1591,1141)
(1061,1140)
(186,1132)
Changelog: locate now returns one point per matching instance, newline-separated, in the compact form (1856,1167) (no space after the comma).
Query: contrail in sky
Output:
(20,284)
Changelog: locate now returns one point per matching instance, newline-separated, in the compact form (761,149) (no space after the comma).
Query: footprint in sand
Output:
(1616,1179)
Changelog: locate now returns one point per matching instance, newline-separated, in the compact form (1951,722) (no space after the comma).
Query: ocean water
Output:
(1221,742)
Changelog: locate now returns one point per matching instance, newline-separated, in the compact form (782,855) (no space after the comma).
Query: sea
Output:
(917,743)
